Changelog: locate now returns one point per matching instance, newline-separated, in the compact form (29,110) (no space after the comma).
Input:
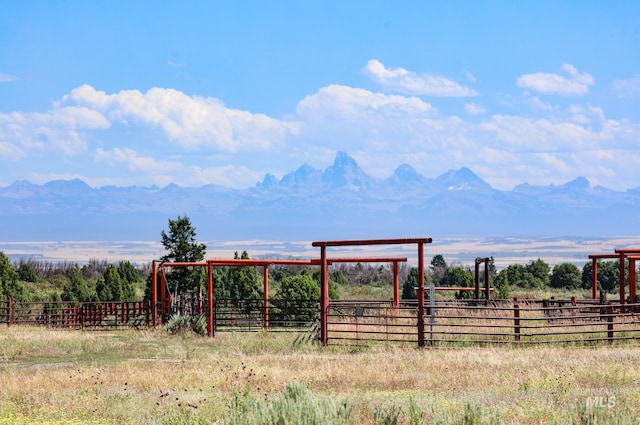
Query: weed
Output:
(184,325)
(297,405)
(416,415)
(387,416)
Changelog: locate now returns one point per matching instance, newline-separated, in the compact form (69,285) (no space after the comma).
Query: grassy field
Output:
(147,377)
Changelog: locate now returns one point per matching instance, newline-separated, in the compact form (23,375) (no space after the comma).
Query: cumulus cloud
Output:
(194,123)
(526,134)
(60,129)
(210,143)
(406,82)
(351,119)
(628,88)
(162,172)
(382,131)
(574,84)
(130,158)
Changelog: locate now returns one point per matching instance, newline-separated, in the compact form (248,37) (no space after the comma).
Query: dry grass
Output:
(143,377)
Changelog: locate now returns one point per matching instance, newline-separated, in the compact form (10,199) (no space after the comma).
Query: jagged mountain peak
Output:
(345,172)
(269,181)
(341,200)
(406,176)
(305,174)
(67,185)
(344,161)
(579,183)
(462,179)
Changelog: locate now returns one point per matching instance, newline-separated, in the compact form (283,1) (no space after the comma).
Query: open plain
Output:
(152,377)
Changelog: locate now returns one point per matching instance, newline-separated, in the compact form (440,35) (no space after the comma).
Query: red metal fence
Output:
(73,315)
(463,323)
(456,322)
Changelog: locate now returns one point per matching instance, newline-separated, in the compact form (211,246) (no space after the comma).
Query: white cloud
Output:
(194,123)
(383,131)
(57,130)
(576,84)
(527,134)
(406,82)
(475,109)
(162,172)
(210,143)
(7,78)
(354,120)
(469,76)
(227,175)
(536,104)
(10,152)
(134,162)
(628,88)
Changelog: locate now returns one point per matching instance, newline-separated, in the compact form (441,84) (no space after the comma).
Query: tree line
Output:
(100,280)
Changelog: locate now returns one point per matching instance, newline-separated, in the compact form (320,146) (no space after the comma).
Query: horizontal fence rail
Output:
(479,322)
(229,315)
(452,322)
(276,315)
(72,315)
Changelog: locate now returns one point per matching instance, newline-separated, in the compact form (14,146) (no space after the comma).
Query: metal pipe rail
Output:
(457,323)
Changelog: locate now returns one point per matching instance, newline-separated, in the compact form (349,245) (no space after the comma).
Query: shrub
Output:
(296,300)
(297,405)
(181,325)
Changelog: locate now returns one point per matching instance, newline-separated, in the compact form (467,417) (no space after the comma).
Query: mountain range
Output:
(340,202)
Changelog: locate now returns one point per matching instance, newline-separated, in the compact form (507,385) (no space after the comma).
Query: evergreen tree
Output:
(410,285)
(608,275)
(27,273)
(503,289)
(565,275)
(10,286)
(244,283)
(129,276)
(78,289)
(457,276)
(181,246)
(296,299)
(109,288)
(540,271)
(438,268)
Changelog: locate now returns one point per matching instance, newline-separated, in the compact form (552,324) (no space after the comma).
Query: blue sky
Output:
(142,93)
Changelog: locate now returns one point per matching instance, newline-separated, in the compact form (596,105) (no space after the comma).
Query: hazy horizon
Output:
(458,251)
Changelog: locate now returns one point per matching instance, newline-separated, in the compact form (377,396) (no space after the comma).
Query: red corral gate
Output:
(435,322)
(324,279)
(162,299)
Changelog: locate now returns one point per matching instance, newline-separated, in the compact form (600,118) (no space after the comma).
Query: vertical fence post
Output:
(632,284)
(396,290)
(324,296)
(622,272)
(209,299)
(516,319)
(477,279)
(265,292)
(154,294)
(610,323)
(420,295)
(594,278)
(573,309)
(9,312)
